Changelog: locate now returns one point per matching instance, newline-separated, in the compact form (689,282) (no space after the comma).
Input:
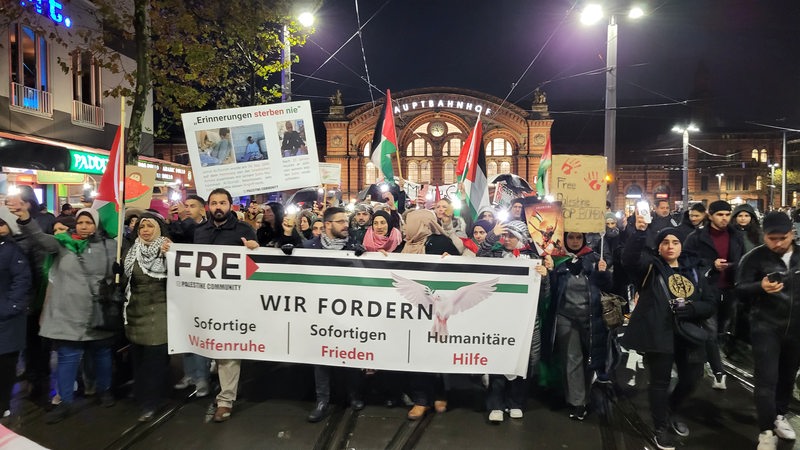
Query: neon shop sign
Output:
(49,8)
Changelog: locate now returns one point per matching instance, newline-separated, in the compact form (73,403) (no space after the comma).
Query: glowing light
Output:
(306,19)
(636,12)
(292,209)
(549,198)
(176,196)
(456,203)
(591,14)
(503,215)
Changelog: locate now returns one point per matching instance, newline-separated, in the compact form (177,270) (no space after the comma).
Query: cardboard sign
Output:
(579,183)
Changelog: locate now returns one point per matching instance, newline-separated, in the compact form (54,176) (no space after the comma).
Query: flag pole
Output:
(121,180)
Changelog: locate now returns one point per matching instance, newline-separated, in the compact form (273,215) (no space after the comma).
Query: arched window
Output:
(425,172)
(412,173)
(370,173)
(759,182)
(763,155)
(491,169)
(449,172)
(368,149)
(499,147)
(505,167)
(419,147)
(754,155)
(452,147)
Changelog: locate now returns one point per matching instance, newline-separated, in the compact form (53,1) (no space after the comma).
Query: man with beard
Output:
(361,220)
(335,237)
(224,228)
(719,248)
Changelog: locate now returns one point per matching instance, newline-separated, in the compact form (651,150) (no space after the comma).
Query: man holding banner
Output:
(224,228)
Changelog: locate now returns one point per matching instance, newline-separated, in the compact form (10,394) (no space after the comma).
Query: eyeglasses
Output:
(339,221)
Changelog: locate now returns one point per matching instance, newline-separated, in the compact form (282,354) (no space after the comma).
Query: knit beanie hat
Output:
(719,205)
(610,216)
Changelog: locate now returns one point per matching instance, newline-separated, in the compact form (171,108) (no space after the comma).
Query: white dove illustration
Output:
(462,299)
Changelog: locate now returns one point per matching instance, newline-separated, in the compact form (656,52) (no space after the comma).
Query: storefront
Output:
(63,173)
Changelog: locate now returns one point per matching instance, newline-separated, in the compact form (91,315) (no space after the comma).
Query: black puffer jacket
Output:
(651,326)
(780,311)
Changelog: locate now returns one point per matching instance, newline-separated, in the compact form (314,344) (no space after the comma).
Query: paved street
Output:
(277,397)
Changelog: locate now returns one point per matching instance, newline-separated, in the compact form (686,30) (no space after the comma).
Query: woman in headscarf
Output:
(424,236)
(304,220)
(81,261)
(145,269)
(271,225)
(579,337)
(510,393)
(382,234)
(317,227)
(670,287)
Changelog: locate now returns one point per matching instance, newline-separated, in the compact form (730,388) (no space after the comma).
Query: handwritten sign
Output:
(578,182)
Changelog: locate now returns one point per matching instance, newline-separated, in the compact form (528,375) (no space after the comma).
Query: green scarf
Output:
(72,244)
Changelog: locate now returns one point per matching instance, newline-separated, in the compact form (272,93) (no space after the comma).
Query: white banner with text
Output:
(420,313)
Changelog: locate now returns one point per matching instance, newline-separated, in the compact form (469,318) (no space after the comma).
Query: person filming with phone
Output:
(769,278)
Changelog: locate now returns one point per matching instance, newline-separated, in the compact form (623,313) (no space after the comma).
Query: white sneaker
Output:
(485,380)
(767,441)
(496,416)
(202,389)
(719,381)
(783,429)
(184,383)
(515,413)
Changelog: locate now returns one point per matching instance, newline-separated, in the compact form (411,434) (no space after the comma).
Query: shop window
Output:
(30,80)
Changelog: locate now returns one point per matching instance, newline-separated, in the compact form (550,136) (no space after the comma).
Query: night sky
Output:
(722,62)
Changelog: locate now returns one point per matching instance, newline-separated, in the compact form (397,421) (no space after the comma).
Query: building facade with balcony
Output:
(52,98)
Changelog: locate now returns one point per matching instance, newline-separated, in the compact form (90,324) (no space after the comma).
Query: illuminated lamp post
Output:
(590,15)
(306,19)
(685,132)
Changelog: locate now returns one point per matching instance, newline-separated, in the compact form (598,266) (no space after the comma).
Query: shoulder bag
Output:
(612,309)
(692,331)
(108,301)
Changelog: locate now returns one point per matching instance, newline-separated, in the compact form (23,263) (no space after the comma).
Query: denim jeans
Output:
(69,359)
(196,367)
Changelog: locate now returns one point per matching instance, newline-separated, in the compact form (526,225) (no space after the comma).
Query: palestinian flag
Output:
(384,140)
(471,172)
(108,197)
(543,177)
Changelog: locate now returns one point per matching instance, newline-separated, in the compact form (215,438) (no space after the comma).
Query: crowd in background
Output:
(673,269)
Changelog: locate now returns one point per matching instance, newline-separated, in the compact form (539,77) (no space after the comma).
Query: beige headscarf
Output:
(420,224)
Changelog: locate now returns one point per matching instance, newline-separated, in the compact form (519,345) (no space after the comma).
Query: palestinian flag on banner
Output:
(108,197)
(471,172)
(543,176)
(384,140)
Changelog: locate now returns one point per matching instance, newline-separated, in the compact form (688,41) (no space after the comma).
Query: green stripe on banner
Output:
(375,282)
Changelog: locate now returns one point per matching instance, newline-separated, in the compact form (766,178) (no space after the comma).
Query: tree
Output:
(191,54)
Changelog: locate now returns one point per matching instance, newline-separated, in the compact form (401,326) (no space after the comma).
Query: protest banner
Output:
(330,173)
(579,183)
(139,182)
(253,150)
(397,312)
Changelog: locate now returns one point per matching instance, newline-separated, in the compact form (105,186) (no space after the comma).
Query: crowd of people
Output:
(725,273)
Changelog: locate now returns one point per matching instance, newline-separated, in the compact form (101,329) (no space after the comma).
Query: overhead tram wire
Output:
(332,55)
(539,53)
(361,77)
(363,53)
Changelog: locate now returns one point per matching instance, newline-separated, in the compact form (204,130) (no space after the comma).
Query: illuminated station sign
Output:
(49,8)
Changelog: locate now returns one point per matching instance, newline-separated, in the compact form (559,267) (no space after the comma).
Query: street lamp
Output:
(685,132)
(772,168)
(591,14)
(719,183)
(306,19)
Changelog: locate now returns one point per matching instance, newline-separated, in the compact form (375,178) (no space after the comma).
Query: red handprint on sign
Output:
(569,165)
(593,179)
